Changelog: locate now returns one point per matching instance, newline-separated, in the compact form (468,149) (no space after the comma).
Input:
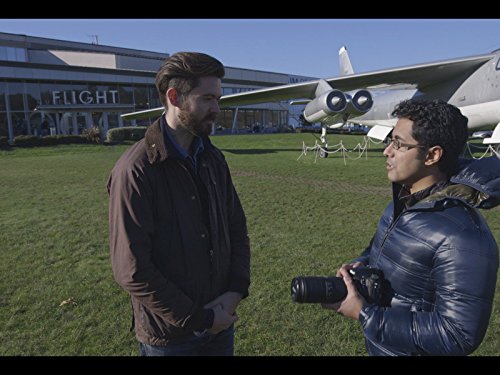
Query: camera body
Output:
(370,283)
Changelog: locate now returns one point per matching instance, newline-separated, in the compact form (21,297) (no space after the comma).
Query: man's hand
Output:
(229,302)
(346,268)
(224,308)
(353,303)
(222,320)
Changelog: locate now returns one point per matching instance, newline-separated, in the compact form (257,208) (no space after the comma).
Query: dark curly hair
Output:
(182,71)
(436,123)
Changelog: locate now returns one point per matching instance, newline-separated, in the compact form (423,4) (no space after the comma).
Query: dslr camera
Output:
(370,283)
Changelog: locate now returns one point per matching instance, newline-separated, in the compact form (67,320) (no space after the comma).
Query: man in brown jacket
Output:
(178,235)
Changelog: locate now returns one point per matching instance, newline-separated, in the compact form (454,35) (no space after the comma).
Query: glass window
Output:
(11,54)
(21,54)
(16,92)
(46,93)
(74,91)
(154,98)
(60,94)
(111,93)
(35,122)
(268,117)
(284,118)
(241,119)
(77,86)
(19,124)
(126,95)
(275,118)
(225,118)
(32,95)
(141,98)
(250,119)
(113,120)
(81,122)
(101,95)
(88,98)
(237,90)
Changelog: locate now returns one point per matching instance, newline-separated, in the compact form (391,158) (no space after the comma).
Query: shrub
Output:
(26,141)
(92,134)
(4,143)
(127,133)
(50,140)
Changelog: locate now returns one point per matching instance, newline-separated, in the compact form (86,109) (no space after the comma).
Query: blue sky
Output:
(297,46)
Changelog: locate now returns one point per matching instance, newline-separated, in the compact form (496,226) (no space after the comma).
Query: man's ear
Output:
(173,96)
(434,154)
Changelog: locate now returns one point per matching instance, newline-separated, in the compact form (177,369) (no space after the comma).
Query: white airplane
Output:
(470,83)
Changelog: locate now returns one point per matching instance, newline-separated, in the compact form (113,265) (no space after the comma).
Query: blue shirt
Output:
(179,153)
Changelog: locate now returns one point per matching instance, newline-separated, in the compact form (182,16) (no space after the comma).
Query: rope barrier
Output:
(363,147)
(490,150)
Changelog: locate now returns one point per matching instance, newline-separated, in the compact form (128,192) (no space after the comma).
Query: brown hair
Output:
(182,71)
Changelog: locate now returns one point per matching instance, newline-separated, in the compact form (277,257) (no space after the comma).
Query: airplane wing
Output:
(420,76)
(154,112)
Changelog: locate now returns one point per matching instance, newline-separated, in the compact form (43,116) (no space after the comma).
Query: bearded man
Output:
(177,231)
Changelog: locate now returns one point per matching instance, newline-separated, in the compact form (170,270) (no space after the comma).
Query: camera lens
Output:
(315,289)
(297,289)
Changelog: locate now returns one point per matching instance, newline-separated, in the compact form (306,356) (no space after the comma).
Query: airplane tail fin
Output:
(344,62)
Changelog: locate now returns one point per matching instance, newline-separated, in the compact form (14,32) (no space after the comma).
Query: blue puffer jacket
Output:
(442,262)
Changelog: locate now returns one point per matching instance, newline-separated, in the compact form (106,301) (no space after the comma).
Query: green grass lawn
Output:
(305,217)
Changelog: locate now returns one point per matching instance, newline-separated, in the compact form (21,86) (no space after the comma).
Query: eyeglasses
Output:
(397,144)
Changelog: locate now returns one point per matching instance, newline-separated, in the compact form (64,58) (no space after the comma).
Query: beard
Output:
(193,124)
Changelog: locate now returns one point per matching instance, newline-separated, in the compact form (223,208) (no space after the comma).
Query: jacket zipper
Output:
(388,232)
(211,251)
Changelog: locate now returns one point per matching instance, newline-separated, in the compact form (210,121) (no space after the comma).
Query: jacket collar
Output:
(155,143)
(464,193)
(408,199)
(476,184)
(482,176)
(156,148)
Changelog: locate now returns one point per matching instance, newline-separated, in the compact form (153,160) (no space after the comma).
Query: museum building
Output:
(50,86)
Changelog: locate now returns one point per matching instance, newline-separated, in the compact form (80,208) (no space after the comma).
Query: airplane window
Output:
(498,65)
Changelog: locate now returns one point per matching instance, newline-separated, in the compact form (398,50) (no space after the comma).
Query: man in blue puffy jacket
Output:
(432,243)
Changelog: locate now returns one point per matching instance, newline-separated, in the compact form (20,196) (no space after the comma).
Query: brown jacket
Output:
(161,252)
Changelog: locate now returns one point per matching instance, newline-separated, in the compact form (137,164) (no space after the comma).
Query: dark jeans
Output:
(221,344)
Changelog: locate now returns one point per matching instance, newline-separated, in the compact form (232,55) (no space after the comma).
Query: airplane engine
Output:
(329,104)
(359,104)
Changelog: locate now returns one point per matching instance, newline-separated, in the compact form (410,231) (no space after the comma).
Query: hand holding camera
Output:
(370,283)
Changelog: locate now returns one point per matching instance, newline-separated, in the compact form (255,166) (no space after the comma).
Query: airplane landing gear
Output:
(322,151)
